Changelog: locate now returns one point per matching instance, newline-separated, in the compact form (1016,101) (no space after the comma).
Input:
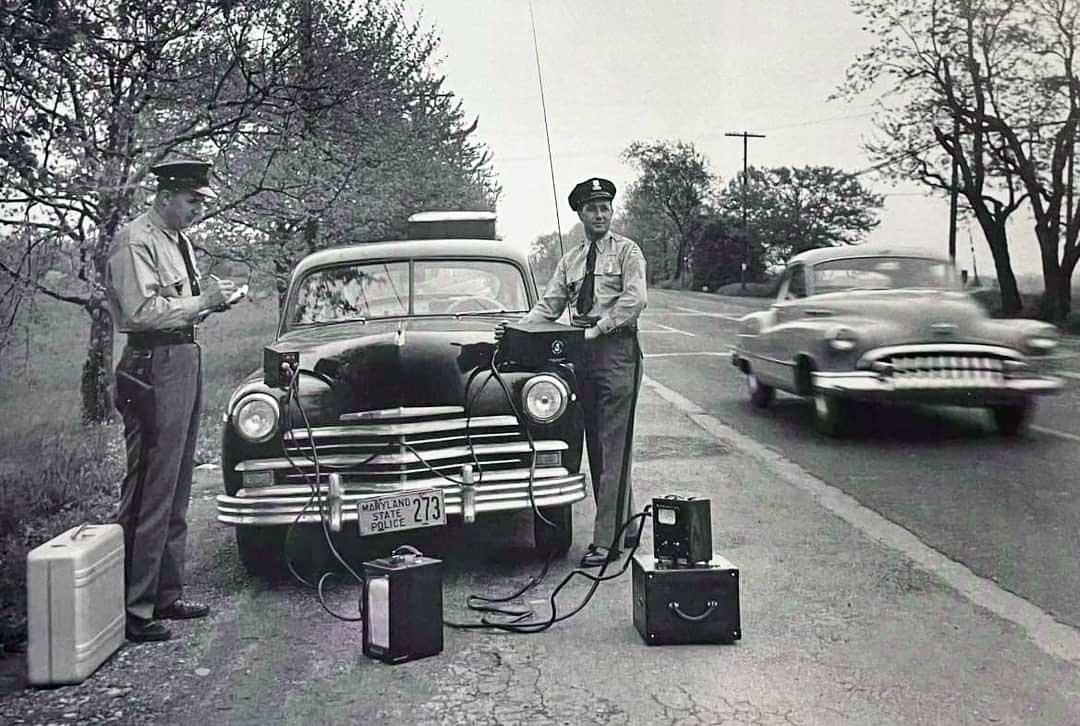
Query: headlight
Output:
(842,339)
(545,398)
(1038,344)
(256,417)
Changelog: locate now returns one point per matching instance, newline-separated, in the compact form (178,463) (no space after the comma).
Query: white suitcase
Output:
(75,603)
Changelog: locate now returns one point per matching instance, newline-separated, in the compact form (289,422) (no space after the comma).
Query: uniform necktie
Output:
(585,294)
(188,265)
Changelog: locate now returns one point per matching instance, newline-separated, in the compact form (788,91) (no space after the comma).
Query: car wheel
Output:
(761,395)
(831,413)
(1012,418)
(261,550)
(555,540)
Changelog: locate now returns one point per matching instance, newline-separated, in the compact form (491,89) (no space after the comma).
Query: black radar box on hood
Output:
(535,344)
(279,366)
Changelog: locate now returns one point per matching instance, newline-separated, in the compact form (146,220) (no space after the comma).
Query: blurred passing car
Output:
(381,406)
(864,323)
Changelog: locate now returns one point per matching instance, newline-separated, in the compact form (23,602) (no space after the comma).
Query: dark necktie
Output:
(185,252)
(585,294)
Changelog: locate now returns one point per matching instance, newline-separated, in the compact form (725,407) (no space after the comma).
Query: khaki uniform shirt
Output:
(618,288)
(146,280)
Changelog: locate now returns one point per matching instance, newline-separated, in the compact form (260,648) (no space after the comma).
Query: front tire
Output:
(261,550)
(555,540)
(1011,419)
(761,394)
(831,413)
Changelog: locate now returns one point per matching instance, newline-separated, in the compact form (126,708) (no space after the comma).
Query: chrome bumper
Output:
(966,390)
(499,491)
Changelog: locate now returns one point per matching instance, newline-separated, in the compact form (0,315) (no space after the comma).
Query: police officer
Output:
(157,298)
(603,282)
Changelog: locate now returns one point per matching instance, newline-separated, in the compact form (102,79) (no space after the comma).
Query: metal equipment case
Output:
(403,608)
(679,605)
(75,603)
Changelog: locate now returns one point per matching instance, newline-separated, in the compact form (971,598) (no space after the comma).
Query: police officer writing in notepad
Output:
(603,282)
(157,298)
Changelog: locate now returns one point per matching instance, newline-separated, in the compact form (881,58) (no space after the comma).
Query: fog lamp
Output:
(255,479)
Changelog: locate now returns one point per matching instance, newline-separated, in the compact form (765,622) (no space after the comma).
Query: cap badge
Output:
(596,185)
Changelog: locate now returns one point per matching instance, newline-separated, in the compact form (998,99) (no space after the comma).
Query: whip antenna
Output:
(547,134)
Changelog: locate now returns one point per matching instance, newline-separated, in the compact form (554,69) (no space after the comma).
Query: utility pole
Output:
(954,190)
(746,135)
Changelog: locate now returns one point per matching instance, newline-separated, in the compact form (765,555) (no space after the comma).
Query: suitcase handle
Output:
(709,607)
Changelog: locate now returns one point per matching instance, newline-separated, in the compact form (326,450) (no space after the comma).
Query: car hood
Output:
(911,316)
(914,306)
(395,363)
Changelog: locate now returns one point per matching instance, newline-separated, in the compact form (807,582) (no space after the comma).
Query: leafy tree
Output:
(312,138)
(666,200)
(719,251)
(792,210)
(990,85)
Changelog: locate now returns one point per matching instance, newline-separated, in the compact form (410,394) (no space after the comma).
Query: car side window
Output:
(796,284)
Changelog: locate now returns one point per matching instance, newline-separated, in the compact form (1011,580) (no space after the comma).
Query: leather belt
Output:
(624,332)
(156,338)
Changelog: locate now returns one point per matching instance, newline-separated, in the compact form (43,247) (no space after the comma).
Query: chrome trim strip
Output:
(868,382)
(877,354)
(774,361)
(407,457)
(490,480)
(550,493)
(403,429)
(402,412)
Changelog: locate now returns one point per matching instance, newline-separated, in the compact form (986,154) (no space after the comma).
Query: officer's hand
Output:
(217,292)
(591,333)
(500,330)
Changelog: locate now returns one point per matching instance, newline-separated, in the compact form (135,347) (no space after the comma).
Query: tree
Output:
(312,139)
(793,210)
(719,251)
(991,86)
(666,199)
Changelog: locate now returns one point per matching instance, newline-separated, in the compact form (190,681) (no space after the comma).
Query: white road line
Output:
(703,313)
(668,329)
(1050,636)
(721,354)
(1054,432)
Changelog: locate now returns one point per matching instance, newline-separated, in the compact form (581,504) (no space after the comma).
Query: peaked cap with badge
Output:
(191,175)
(590,189)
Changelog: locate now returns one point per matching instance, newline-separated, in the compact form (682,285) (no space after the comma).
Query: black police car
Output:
(383,404)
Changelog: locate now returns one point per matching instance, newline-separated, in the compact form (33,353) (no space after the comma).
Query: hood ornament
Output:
(399,336)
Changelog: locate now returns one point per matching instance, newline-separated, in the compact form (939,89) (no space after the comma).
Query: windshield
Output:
(367,291)
(883,273)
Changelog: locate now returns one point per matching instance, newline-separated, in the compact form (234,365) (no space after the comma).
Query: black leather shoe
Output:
(145,631)
(598,556)
(182,610)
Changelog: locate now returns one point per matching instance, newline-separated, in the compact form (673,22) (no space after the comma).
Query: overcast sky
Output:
(691,70)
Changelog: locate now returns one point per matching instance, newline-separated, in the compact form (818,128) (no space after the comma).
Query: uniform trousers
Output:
(160,429)
(612,375)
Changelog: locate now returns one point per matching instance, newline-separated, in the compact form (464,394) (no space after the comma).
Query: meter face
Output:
(665,516)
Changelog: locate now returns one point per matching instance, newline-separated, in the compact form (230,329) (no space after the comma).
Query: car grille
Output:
(387,450)
(945,370)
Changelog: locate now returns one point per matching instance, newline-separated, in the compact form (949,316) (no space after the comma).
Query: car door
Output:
(776,366)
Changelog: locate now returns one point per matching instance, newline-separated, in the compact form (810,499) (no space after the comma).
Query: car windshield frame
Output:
(403,298)
(883,272)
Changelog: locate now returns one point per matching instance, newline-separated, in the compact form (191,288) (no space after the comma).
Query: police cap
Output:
(190,175)
(591,189)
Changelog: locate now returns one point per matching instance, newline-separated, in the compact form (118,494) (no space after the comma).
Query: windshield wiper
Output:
(501,311)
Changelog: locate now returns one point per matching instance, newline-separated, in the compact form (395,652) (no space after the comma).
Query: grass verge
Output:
(55,472)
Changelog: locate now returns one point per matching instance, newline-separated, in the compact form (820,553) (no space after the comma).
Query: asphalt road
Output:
(1008,509)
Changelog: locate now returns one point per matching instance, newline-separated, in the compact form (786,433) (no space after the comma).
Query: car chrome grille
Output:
(945,370)
(388,452)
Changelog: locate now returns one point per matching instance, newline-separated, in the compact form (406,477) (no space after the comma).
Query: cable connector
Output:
(468,494)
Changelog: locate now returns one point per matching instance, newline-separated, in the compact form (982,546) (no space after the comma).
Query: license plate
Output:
(401,511)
